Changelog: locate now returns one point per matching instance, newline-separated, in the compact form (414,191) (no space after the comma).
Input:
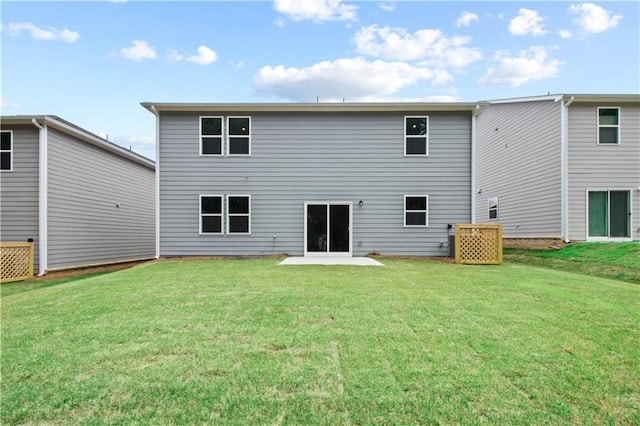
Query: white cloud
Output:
(387,7)
(351,78)
(529,65)
(593,18)
(6,104)
(138,51)
(565,34)
(205,56)
(316,10)
(430,46)
(279,22)
(50,33)
(527,22)
(466,18)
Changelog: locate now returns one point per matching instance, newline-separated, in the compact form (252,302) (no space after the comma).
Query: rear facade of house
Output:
(560,167)
(311,179)
(83,200)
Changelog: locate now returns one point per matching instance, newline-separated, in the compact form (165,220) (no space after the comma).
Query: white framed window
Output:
(416,135)
(239,136)
(493,208)
(608,214)
(608,125)
(416,210)
(238,214)
(211,133)
(211,214)
(6,151)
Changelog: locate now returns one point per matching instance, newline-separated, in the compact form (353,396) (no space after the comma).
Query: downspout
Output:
(564,166)
(43,223)
(157,114)
(474,113)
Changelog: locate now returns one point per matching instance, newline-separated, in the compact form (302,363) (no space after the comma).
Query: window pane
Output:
(598,220)
(416,203)
(5,161)
(416,126)
(416,219)
(239,146)
(608,116)
(619,214)
(608,134)
(212,126)
(212,146)
(238,224)
(212,224)
(211,205)
(239,126)
(5,143)
(417,146)
(239,205)
(493,214)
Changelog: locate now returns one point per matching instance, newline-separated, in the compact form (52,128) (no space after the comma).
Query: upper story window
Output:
(211,214)
(416,135)
(493,208)
(6,151)
(211,135)
(239,135)
(608,125)
(416,209)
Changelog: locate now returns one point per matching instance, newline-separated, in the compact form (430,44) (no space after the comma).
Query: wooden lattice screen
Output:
(479,244)
(16,261)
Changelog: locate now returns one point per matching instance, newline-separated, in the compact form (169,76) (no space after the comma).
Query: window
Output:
(211,214)
(6,151)
(210,135)
(239,135)
(608,125)
(415,210)
(609,214)
(493,208)
(238,214)
(416,136)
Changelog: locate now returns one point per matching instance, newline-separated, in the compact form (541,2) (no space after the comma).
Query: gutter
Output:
(43,220)
(564,167)
(155,112)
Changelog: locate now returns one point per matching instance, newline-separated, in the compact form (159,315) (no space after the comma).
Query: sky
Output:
(92,63)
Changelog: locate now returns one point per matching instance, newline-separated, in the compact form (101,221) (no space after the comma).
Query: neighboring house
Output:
(312,179)
(83,200)
(560,167)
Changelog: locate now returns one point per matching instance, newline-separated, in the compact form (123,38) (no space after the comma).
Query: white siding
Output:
(518,161)
(19,190)
(85,225)
(593,166)
(298,157)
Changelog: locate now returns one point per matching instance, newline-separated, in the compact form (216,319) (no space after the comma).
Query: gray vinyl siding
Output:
(85,226)
(518,161)
(298,157)
(593,167)
(19,190)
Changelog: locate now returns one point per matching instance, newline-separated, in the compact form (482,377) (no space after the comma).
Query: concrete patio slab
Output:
(310,260)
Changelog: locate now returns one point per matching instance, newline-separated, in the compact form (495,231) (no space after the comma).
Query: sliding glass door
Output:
(609,214)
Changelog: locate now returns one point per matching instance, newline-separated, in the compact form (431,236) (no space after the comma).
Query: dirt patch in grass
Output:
(74,272)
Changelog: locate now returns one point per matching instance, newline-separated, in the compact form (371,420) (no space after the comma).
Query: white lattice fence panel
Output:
(16,261)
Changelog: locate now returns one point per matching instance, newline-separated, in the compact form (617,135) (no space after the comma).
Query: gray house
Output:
(312,179)
(83,200)
(560,167)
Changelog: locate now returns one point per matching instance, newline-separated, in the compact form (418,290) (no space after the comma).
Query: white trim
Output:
(328,253)
(212,136)
(608,191)
(43,194)
(497,208)
(474,115)
(426,211)
(564,168)
(157,178)
(10,151)
(238,214)
(200,214)
(617,126)
(229,136)
(554,98)
(426,136)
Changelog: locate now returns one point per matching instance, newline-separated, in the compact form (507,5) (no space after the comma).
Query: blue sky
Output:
(92,63)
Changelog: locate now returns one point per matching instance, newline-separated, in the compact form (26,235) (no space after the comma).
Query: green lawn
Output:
(619,261)
(249,342)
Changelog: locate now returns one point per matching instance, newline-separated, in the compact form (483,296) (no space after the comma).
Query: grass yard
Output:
(250,342)
(620,261)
